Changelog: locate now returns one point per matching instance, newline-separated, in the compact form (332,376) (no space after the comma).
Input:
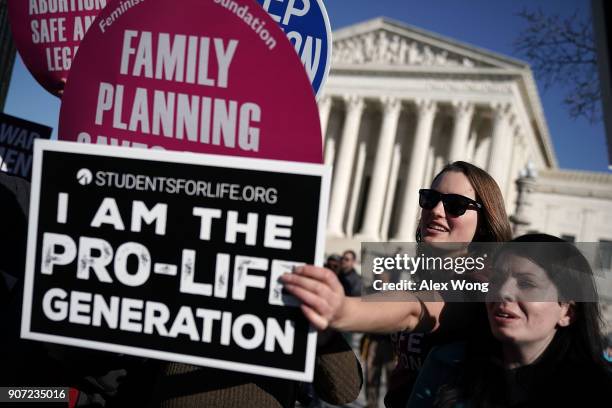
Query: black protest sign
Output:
(16,140)
(173,256)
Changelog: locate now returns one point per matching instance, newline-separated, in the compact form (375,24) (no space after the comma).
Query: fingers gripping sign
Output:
(321,293)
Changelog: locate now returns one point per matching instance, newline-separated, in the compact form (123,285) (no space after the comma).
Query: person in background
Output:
(378,357)
(544,345)
(349,278)
(333,263)
(350,281)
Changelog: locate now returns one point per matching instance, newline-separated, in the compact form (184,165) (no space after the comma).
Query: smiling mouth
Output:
(436,227)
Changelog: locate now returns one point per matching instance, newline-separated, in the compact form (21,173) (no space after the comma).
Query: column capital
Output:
(353,102)
(462,108)
(513,119)
(501,110)
(426,106)
(478,119)
(464,111)
(325,101)
(391,104)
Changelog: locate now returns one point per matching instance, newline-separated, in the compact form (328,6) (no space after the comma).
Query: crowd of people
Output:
(504,350)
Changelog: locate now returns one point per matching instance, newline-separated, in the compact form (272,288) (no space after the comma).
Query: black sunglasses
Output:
(454,204)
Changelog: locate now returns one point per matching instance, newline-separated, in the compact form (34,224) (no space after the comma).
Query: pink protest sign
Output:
(47,34)
(214,76)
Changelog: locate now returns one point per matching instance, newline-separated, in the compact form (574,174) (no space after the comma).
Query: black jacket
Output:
(351,282)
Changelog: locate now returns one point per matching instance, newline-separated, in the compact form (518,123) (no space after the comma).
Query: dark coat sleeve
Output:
(338,377)
(14,202)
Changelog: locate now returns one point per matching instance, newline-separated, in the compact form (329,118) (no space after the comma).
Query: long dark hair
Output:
(580,344)
(493,224)
(572,275)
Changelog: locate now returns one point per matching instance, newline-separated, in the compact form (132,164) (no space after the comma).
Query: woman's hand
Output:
(321,293)
(325,305)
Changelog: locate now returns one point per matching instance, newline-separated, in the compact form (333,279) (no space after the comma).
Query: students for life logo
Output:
(84,177)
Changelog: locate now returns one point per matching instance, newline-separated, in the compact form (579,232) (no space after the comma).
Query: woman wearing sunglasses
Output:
(464,204)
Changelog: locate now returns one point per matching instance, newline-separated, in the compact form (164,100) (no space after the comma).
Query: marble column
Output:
(380,175)
(513,167)
(508,145)
(390,199)
(330,151)
(429,162)
(344,165)
(357,186)
(408,217)
(436,144)
(464,111)
(481,155)
(325,105)
(471,146)
(497,161)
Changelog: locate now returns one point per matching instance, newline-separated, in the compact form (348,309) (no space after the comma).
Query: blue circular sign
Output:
(306,24)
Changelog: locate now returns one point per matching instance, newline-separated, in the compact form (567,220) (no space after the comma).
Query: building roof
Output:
(385,46)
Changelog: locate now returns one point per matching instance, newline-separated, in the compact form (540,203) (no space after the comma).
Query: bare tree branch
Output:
(562,51)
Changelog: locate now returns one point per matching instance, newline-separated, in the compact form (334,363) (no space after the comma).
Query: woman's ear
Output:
(568,314)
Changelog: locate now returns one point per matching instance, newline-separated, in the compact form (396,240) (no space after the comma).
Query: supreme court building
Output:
(401,102)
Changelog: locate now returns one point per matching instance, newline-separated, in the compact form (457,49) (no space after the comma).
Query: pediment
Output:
(385,42)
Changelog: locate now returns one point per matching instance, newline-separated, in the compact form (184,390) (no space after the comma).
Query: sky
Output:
(488,24)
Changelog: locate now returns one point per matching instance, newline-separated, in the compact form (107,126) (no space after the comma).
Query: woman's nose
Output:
(438,210)
(504,290)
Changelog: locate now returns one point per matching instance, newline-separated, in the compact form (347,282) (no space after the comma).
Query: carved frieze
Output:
(384,47)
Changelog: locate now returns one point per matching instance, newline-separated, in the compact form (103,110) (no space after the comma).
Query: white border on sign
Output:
(40,146)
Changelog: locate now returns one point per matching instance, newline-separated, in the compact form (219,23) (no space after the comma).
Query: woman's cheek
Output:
(463,228)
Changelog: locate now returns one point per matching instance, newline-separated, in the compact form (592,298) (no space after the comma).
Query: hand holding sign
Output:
(321,292)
